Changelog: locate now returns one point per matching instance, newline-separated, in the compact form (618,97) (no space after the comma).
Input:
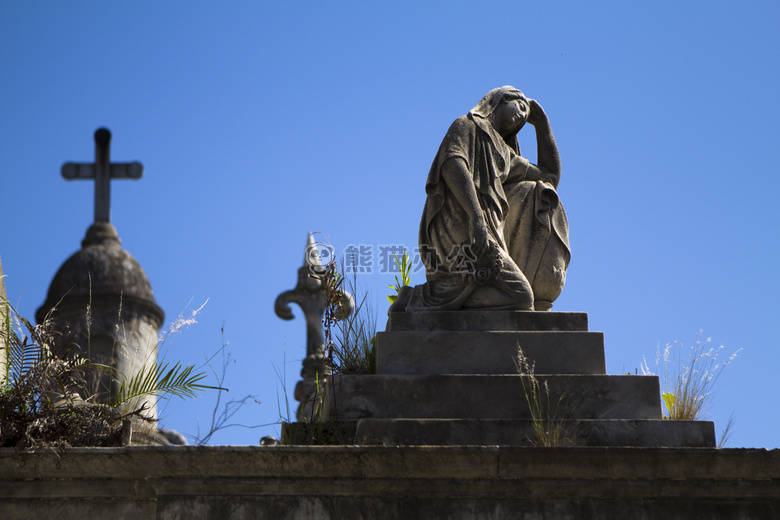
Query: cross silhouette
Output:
(102,171)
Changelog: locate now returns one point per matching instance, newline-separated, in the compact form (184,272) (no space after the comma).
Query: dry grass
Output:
(689,376)
(546,414)
(353,349)
(45,394)
(350,328)
(41,392)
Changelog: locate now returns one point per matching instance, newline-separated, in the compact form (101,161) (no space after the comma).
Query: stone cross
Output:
(102,171)
(310,295)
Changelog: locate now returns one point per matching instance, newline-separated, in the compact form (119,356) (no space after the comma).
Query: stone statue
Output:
(493,233)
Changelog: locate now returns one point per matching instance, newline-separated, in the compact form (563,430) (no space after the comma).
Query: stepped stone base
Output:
(452,378)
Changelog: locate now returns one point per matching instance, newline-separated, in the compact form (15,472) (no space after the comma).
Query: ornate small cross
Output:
(310,295)
(102,171)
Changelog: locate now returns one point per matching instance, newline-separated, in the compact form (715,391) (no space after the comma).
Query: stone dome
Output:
(100,271)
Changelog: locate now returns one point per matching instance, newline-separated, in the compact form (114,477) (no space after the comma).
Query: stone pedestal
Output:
(451,378)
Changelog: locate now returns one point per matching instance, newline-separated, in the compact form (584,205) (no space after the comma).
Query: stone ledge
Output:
(369,462)
(447,352)
(519,432)
(490,396)
(487,321)
(326,482)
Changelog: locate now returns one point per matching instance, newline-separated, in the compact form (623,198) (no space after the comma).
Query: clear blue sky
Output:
(258,122)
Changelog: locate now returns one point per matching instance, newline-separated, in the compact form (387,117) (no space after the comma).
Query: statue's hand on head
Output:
(536,113)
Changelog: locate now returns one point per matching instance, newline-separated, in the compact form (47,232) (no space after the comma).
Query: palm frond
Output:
(157,379)
(22,351)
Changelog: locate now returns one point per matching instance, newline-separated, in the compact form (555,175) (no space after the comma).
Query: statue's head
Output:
(505,109)
(511,114)
(488,104)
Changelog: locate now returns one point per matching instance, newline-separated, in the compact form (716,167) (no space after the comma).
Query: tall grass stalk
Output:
(546,414)
(224,410)
(349,328)
(154,377)
(353,349)
(222,415)
(284,415)
(5,329)
(313,431)
(725,434)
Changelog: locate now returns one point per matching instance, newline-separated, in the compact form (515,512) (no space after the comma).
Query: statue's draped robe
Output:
(525,223)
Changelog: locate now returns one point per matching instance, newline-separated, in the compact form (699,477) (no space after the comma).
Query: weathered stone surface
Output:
(101,270)
(4,323)
(491,396)
(351,482)
(487,321)
(489,352)
(519,432)
(103,299)
(2,282)
(452,378)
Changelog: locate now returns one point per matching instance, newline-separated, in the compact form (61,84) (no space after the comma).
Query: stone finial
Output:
(310,296)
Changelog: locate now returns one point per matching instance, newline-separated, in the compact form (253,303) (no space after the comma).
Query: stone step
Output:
(350,397)
(522,432)
(487,321)
(446,352)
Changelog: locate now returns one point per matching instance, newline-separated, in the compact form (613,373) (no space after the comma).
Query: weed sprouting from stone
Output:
(45,398)
(546,413)
(689,376)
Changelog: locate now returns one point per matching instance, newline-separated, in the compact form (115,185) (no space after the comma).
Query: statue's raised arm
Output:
(548,167)
(493,234)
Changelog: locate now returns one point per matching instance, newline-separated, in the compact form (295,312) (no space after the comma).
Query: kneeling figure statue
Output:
(493,233)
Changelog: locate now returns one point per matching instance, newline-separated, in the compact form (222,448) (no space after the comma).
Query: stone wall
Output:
(345,482)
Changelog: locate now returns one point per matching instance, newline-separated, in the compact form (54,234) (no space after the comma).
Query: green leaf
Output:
(405,267)
(669,400)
